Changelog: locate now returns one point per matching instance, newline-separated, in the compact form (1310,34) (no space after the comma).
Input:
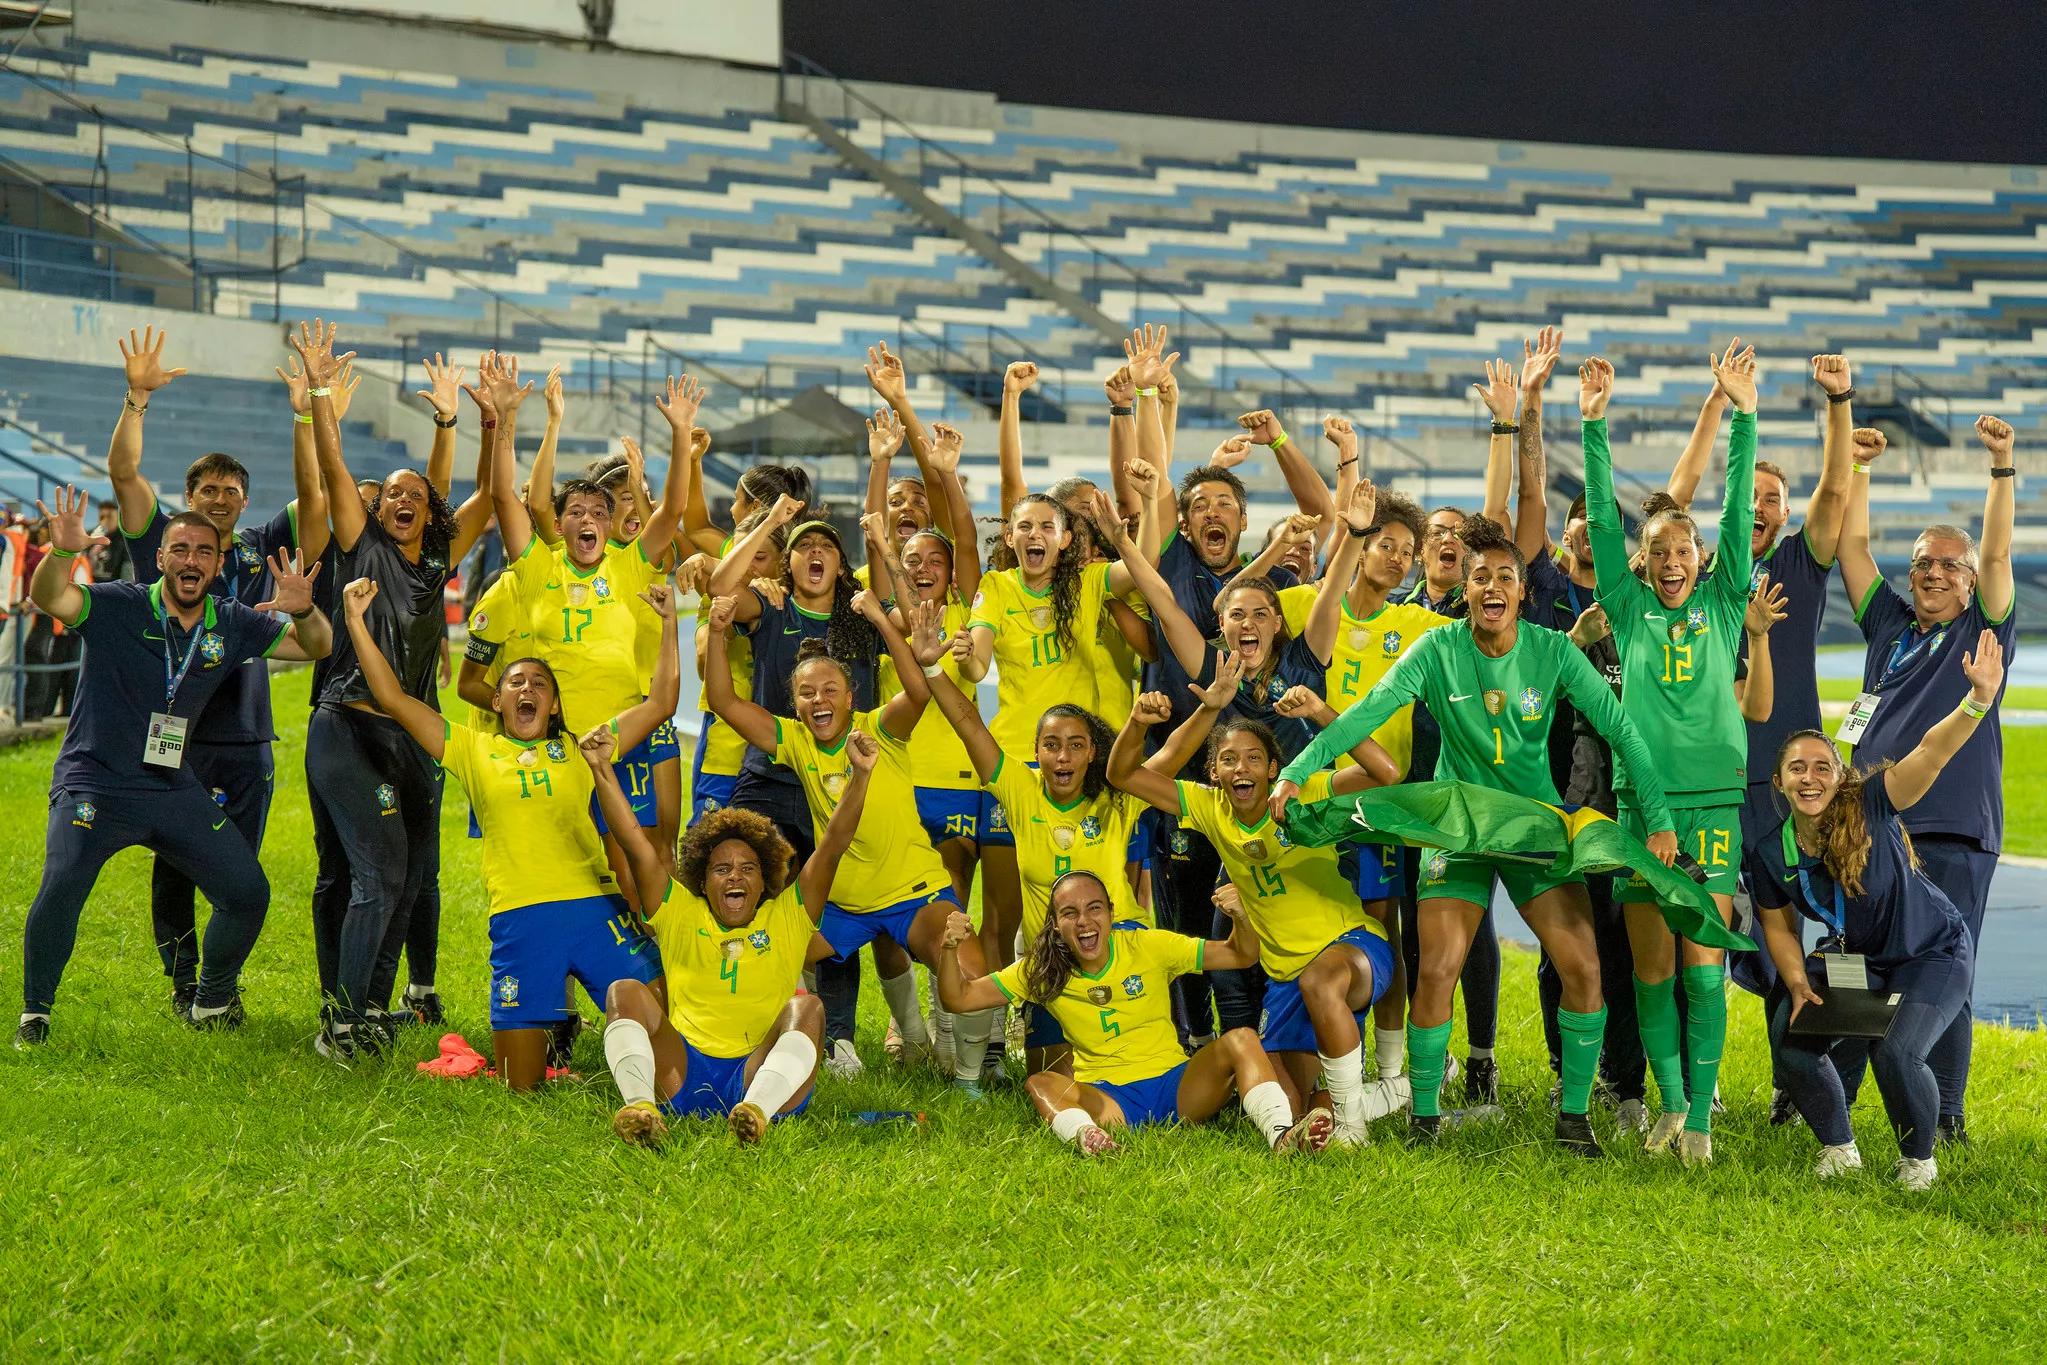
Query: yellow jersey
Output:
(1366,648)
(647,643)
(1052,840)
(583,626)
(1035,670)
(890,860)
(1120,1020)
(724,748)
(1296,899)
(725,986)
(532,802)
(498,621)
(1117,666)
(938,756)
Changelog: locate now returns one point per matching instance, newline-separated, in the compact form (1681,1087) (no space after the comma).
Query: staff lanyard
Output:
(1795,860)
(173,680)
(1577,608)
(1901,656)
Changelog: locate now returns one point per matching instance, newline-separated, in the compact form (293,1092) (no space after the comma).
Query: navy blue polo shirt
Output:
(1918,676)
(777,633)
(1899,916)
(1794,648)
(130,645)
(1297,667)
(240,711)
(407,618)
(1450,603)
(1194,587)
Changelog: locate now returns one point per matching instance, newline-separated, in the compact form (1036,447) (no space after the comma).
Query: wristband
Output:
(1342,465)
(1279,440)
(490,424)
(1151,392)
(305,615)
(1858,468)
(443,423)
(1841,397)
(2003,471)
(1505,428)
(56,553)
(1356,534)
(1974,709)
(304,417)
(132,406)
(1121,410)
(934,670)
(320,393)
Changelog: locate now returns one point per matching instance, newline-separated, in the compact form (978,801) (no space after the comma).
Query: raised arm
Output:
(1758,694)
(345,511)
(1327,613)
(311,493)
(1133,570)
(697,527)
(1610,570)
(1501,394)
(308,635)
(1128,770)
(1122,396)
(1240,949)
(679,405)
(1184,745)
(1339,432)
(1698,452)
(142,360)
(50,586)
(540,482)
(1830,495)
(754,723)
(650,871)
(957,991)
(1149,365)
(515,520)
(1019,376)
(885,375)
(1311,495)
(965,718)
(906,708)
(884,439)
(814,882)
(946,446)
(665,688)
(1858,566)
(1734,550)
(1401,685)
(730,575)
(1995,586)
(1531,507)
(1911,777)
(472,517)
(419,720)
(444,382)
(1374,767)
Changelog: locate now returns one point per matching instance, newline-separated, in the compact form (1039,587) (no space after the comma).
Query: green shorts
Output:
(1469,877)
(1711,834)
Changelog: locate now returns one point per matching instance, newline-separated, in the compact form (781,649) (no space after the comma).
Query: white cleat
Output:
(1915,1174)
(1388,1095)
(1345,1136)
(1837,1161)
(1695,1149)
(842,1061)
(1631,1117)
(1664,1132)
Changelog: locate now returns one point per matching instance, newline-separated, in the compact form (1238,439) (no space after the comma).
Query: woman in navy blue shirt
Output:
(1843,858)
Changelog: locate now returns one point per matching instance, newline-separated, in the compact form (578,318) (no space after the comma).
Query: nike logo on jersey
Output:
(220,823)
(792,630)
(1462,696)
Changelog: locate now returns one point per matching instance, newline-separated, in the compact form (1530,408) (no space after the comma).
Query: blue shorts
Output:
(709,792)
(949,812)
(1286,1026)
(1375,870)
(1151,1101)
(1139,851)
(536,948)
(848,933)
(713,1086)
(475,830)
(992,827)
(635,769)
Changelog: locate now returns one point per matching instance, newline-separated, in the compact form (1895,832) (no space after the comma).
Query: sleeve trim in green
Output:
(1007,993)
(1200,953)
(276,640)
(1868,597)
(1984,607)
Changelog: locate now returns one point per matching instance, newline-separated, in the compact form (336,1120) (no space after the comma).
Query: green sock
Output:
(1706,1033)
(1582,1036)
(1427,1049)
(1656,1014)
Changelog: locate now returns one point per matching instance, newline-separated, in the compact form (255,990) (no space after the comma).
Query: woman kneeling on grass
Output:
(555,911)
(1843,858)
(735,933)
(1107,988)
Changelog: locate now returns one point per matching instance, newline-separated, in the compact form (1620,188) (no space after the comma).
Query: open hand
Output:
(884,434)
(680,401)
(1984,669)
(1145,350)
(1662,846)
(928,643)
(1222,689)
(1362,507)
(1595,387)
(551,393)
(443,382)
(142,360)
(67,523)
(947,441)
(885,374)
(1767,605)
(1736,373)
(315,346)
(1539,359)
(291,584)
(1801,993)
(1501,391)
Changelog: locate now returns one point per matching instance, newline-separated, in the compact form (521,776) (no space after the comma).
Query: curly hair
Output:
(850,638)
(1395,508)
(556,726)
(1066,570)
(758,832)
(1049,964)
(441,528)
(1481,534)
(1095,780)
(1280,638)
(1842,830)
(1257,729)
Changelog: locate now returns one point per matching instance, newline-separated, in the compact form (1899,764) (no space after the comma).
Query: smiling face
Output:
(822,699)
(626,517)
(1299,559)
(403,506)
(1808,772)
(1492,590)
(1212,518)
(814,562)
(1443,548)
(733,882)
(1670,559)
(1941,576)
(1388,557)
(1578,540)
(526,700)
(585,523)
(1773,509)
(909,511)
(1244,768)
(1251,622)
(219,498)
(1065,748)
(1080,912)
(1038,535)
(927,567)
(189,558)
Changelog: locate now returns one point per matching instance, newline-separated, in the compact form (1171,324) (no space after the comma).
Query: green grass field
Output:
(184,1197)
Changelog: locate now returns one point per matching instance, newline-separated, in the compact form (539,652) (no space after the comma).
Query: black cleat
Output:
(1951,1132)
(561,1042)
(1782,1110)
(34,1032)
(1574,1134)
(335,1041)
(183,997)
(1481,1081)
(427,1008)
(234,1016)
(1423,1130)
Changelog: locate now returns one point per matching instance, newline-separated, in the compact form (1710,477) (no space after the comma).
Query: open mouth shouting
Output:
(1492,608)
(906,526)
(1250,647)
(589,545)
(190,583)
(1089,940)
(811,576)
(1671,586)
(820,718)
(1035,556)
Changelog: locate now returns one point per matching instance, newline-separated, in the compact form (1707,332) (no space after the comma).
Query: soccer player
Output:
(890,883)
(1958,589)
(721,753)
(555,910)
(1490,684)
(735,930)
(157,655)
(228,750)
(1679,638)
(1107,987)
(1844,858)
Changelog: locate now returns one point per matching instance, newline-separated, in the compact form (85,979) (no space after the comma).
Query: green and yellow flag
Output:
(1464,818)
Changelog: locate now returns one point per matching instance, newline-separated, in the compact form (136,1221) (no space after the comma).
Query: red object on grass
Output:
(458,1061)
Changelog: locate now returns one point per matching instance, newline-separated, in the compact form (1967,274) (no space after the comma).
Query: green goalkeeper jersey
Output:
(1495,714)
(1677,663)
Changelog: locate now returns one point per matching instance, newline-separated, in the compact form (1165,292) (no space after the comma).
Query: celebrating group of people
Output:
(1170,712)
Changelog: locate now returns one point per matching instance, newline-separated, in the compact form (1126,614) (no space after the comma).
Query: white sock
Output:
(27,1015)
(419,990)
(970,1043)
(1266,1106)
(630,1054)
(787,1066)
(1390,1045)
(1479,1054)
(1069,1124)
(998,1027)
(1345,1077)
(901,993)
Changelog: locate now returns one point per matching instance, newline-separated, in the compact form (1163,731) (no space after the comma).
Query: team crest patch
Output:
(1090,828)
(1275,689)
(212,649)
(1495,702)
(1279,833)
(998,818)
(1179,842)
(1098,995)
(1133,986)
(1439,863)
(1389,643)
(1360,638)
(83,814)
(437,563)
(387,797)
(834,783)
(1531,704)
(1041,618)
(247,555)
(1756,577)
(758,940)
(1696,619)
(1254,849)
(602,587)
(556,750)
(1062,835)
(508,992)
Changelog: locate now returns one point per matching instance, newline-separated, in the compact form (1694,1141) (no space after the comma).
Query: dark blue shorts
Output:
(950,813)
(635,770)
(1139,851)
(536,948)
(1287,1028)
(848,933)
(1374,870)
(709,792)
(992,826)
(713,1086)
(1150,1101)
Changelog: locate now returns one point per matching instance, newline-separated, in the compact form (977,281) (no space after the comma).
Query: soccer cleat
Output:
(1482,1081)
(1574,1135)
(335,1041)
(1695,1149)
(561,1042)
(1951,1132)
(1345,1137)
(970,1091)
(1664,1131)
(1632,1116)
(1311,1134)
(640,1125)
(747,1122)
(842,1061)
(231,1016)
(34,1032)
(1913,1173)
(1837,1161)
(1095,1141)
(1424,1130)
(1783,1111)
(1387,1096)
(428,1007)
(183,995)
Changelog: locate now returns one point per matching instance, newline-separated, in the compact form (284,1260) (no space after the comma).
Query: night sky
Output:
(1901,79)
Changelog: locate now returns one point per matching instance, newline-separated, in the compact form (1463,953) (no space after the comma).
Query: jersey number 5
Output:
(1110,1028)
